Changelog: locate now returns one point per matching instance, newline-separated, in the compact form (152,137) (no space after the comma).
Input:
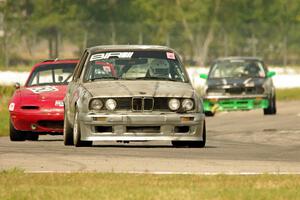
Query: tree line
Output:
(200,30)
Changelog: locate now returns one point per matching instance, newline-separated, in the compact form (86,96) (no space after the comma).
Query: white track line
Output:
(173,173)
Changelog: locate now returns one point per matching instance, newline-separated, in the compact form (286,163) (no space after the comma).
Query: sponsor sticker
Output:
(11,107)
(101,56)
(171,55)
(59,103)
(38,90)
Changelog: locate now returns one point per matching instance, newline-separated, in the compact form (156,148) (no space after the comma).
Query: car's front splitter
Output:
(142,127)
(232,104)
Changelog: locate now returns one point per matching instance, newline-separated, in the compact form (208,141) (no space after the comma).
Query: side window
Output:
(80,66)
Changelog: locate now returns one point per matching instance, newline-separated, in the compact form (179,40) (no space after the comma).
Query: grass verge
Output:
(288,94)
(18,185)
(5,94)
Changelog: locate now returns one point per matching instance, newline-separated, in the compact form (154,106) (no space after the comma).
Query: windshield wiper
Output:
(105,77)
(154,78)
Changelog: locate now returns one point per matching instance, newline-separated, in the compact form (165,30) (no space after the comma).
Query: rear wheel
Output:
(68,131)
(271,110)
(77,134)
(195,144)
(16,135)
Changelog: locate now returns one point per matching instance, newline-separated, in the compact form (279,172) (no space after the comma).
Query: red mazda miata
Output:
(38,107)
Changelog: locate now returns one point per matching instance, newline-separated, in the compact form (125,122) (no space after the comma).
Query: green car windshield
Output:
(237,68)
(135,65)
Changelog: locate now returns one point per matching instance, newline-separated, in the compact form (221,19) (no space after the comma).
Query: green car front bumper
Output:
(232,104)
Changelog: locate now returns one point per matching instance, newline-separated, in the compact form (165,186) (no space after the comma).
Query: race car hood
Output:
(140,88)
(38,94)
(235,82)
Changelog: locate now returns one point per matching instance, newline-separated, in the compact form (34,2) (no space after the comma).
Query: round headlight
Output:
(110,104)
(187,104)
(174,104)
(96,104)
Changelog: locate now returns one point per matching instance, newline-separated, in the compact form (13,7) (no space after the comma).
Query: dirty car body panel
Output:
(133,104)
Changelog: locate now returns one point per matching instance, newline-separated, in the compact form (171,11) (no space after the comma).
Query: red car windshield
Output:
(52,74)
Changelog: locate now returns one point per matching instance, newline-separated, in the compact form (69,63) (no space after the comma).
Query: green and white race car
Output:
(239,83)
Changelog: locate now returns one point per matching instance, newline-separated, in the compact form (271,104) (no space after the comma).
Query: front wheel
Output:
(77,134)
(68,131)
(16,135)
(271,110)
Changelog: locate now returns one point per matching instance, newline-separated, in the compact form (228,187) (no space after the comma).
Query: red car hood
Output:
(42,94)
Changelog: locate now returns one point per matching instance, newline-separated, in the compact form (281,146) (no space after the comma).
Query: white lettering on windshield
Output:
(101,56)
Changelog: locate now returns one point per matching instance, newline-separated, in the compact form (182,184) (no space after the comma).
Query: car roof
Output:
(128,47)
(55,61)
(238,58)
(51,61)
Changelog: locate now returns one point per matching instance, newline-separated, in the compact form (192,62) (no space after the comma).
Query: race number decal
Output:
(38,90)
(101,56)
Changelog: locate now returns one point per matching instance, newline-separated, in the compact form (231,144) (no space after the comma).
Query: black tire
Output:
(209,114)
(16,135)
(193,144)
(180,143)
(271,110)
(68,132)
(32,136)
(77,134)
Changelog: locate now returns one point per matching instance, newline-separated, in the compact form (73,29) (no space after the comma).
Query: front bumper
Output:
(50,122)
(141,126)
(236,102)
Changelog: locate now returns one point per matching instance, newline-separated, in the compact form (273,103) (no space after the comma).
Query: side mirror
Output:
(271,74)
(203,76)
(17,85)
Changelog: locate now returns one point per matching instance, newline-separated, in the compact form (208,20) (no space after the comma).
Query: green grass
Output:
(5,93)
(18,185)
(4,116)
(288,94)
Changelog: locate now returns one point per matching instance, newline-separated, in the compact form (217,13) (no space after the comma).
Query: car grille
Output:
(245,90)
(142,104)
(30,107)
(238,90)
(51,124)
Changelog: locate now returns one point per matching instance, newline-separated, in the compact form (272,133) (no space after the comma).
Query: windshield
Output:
(51,74)
(237,68)
(133,65)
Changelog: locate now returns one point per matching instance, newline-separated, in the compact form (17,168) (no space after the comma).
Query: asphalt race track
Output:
(238,142)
